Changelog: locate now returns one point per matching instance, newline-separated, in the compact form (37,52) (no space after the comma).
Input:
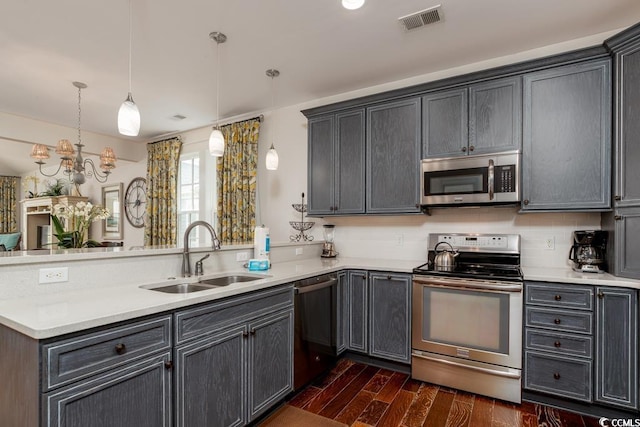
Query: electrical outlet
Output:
(299,251)
(53,275)
(549,243)
(242,256)
(399,239)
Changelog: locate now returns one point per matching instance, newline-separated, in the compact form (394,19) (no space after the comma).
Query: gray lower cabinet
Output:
(234,359)
(393,154)
(342,312)
(617,347)
(336,163)
(380,314)
(566,160)
(581,343)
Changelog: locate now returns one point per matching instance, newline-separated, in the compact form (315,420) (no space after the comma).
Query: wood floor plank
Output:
(373,412)
(460,414)
(359,424)
(386,372)
(464,397)
(354,409)
(420,406)
(412,385)
(396,411)
(528,419)
(316,404)
(340,368)
(304,396)
(591,421)
(342,399)
(505,414)
(377,382)
(547,416)
(391,388)
(439,411)
(482,412)
(570,419)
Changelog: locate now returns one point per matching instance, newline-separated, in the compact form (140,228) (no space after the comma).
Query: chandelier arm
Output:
(53,174)
(94,172)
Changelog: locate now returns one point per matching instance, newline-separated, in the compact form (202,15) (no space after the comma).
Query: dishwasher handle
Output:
(315,287)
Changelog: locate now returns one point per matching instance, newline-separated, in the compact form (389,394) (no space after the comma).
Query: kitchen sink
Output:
(227,280)
(180,288)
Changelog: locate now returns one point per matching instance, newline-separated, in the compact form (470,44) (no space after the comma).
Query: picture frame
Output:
(112,200)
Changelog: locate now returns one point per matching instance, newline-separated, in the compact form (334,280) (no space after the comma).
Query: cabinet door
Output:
(567,138)
(350,161)
(358,311)
(211,380)
(390,314)
(495,116)
(626,247)
(321,159)
(393,157)
(627,124)
(617,347)
(342,317)
(135,396)
(270,361)
(445,123)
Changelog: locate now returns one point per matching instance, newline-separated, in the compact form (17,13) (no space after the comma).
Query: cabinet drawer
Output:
(558,295)
(78,357)
(559,320)
(557,375)
(563,344)
(210,318)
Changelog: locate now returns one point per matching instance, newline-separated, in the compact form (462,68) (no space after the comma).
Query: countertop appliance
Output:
(315,337)
(467,320)
(329,247)
(588,251)
(472,180)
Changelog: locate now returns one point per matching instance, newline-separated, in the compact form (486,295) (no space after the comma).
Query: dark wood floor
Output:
(360,395)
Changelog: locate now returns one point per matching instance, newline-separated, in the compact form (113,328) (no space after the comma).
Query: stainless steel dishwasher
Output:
(315,348)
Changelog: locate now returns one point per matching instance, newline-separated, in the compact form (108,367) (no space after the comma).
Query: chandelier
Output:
(77,169)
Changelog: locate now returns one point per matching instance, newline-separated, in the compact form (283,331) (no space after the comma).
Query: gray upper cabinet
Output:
(336,163)
(445,123)
(617,347)
(567,138)
(477,119)
(623,248)
(393,157)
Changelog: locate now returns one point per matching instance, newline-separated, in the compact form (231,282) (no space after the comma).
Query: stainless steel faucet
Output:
(186,262)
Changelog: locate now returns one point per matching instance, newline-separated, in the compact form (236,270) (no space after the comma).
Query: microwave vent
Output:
(420,19)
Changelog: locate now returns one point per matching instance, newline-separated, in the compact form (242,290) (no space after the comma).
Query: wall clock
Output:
(135,202)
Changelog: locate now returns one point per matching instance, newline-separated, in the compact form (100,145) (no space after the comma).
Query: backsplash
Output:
(405,237)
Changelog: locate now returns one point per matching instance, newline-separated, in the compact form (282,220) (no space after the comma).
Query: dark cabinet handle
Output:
(245,334)
(557,344)
(600,295)
(617,198)
(556,321)
(558,297)
(121,349)
(168,364)
(556,376)
(388,277)
(617,217)
(464,149)
(252,332)
(471,148)
(526,202)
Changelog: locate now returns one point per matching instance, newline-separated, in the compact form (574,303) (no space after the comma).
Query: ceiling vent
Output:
(421,18)
(179,117)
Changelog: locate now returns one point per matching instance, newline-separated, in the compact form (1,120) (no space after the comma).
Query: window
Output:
(196,193)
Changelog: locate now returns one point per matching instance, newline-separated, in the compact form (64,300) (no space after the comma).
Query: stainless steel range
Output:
(467,315)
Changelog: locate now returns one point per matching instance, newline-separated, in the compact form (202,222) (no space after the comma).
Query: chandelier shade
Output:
(39,152)
(64,148)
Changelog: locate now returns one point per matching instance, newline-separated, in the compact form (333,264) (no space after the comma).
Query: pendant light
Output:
(216,139)
(272,154)
(129,115)
(352,4)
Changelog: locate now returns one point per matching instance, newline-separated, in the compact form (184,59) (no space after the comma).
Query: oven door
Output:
(468,319)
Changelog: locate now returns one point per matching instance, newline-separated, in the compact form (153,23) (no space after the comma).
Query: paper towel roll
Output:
(261,242)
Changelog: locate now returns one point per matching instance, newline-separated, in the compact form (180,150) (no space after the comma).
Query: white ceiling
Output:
(320,49)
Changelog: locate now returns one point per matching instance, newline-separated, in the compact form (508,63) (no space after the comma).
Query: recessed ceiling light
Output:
(352,4)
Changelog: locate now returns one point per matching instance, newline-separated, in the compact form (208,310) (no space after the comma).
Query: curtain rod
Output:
(260,118)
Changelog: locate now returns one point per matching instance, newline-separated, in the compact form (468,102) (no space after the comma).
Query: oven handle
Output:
(470,284)
(317,286)
(473,368)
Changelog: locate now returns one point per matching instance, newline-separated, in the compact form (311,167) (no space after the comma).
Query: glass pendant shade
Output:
(352,4)
(272,159)
(40,152)
(216,143)
(65,148)
(129,117)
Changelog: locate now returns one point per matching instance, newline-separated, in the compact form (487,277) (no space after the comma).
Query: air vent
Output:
(179,117)
(421,18)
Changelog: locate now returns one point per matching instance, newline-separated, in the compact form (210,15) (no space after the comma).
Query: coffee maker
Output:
(588,251)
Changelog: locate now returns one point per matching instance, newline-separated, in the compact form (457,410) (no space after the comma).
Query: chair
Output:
(11,241)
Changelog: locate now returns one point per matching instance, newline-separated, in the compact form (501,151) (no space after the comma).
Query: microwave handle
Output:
(491,179)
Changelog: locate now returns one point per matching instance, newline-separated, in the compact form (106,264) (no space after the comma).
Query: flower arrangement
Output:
(77,217)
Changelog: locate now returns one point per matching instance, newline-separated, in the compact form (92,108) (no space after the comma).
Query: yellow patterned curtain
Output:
(236,179)
(8,190)
(162,189)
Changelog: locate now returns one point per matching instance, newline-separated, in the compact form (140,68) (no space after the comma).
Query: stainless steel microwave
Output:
(472,180)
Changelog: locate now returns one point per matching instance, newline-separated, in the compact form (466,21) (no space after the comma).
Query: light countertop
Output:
(46,316)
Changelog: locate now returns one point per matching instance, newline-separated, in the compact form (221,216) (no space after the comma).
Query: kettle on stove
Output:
(445,259)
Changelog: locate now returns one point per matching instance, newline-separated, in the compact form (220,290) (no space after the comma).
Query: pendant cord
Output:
(217,83)
(130,43)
